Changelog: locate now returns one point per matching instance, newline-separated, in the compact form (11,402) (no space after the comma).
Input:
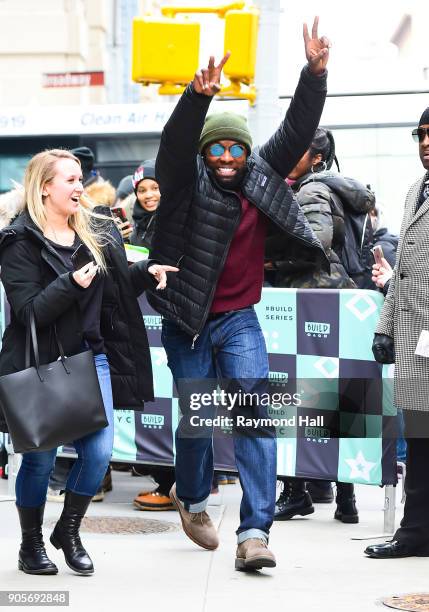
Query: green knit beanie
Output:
(225,126)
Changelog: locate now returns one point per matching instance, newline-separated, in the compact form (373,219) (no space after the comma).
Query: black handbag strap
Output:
(60,349)
(31,338)
(27,344)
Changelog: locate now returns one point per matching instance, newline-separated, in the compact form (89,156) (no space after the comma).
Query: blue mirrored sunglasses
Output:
(235,150)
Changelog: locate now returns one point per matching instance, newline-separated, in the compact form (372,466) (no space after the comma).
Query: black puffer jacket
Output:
(33,274)
(196,219)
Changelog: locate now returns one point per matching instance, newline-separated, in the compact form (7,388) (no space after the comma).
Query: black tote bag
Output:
(49,405)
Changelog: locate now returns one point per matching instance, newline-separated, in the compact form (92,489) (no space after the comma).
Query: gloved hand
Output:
(383,348)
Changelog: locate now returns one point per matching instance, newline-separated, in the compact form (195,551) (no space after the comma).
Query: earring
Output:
(323,165)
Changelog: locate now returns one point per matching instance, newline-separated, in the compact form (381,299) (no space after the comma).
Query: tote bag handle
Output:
(31,338)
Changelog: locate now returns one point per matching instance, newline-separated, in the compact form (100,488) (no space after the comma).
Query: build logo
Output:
(279,378)
(153,322)
(153,421)
(317,329)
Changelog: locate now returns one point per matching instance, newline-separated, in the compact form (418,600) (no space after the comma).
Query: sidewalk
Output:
(318,566)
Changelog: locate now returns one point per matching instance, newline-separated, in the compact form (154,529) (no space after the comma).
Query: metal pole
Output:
(120,88)
(264,116)
(389,510)
(388,516)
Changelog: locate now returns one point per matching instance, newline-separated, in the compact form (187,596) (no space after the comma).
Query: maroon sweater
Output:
(240,282)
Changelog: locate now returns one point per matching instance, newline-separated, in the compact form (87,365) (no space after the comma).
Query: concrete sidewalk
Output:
(319,567)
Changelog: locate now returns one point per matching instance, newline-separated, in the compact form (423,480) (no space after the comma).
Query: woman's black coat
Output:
(34,275)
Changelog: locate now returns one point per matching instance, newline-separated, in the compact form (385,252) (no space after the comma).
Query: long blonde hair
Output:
(39,171)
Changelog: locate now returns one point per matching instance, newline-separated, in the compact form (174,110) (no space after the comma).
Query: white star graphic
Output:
(360,467)
(160,356)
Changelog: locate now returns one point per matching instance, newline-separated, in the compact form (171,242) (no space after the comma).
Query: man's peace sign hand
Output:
(316,49)
(207,80)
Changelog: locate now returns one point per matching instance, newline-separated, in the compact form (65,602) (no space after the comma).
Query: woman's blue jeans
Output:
(93,455)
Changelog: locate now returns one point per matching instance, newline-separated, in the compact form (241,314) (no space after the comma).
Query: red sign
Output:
(73,79)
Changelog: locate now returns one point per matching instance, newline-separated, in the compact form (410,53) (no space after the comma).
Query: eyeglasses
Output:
(420,133)
(235,150)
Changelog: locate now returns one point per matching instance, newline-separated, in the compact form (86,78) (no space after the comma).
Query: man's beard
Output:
(231,183)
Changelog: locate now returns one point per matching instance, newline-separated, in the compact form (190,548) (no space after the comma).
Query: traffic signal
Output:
(164,50)
(241,37)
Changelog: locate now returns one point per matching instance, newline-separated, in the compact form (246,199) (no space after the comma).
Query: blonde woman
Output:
(94,306)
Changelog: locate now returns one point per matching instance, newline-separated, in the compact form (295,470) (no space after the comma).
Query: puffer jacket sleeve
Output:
(21,278)
(295,134)
(176,162)
(140,277)
(314,199)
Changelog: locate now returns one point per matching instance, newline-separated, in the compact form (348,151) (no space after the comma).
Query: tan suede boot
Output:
(253,554)
(197,525)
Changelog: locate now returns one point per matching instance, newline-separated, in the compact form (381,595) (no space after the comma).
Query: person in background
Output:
(159,499)
(146,202)
(313,183)
(147,194)
(11,204)
(124,189)
(125,196)
(225,479)
(101,192)
(381,275)
(86,158)
(382,236)
(400,338)
(337,208)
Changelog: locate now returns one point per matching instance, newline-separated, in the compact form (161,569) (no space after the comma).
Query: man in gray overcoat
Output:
(402,337)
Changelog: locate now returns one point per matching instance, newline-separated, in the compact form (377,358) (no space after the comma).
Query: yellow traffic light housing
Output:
(241,35)
(164,50)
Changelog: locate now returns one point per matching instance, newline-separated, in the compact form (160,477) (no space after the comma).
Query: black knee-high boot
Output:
(66,533)
(32,554)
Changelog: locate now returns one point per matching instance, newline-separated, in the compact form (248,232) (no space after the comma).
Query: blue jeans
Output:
(231,347)
(93,456)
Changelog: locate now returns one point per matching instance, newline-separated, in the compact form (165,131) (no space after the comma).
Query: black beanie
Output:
(145,171)
(424,119)
(86,158)
(125,187)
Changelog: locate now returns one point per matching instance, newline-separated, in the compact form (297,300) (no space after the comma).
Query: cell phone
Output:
(119,212)
(81,257)
(377,251)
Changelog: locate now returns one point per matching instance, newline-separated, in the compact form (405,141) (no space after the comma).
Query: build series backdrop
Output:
(319,345)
